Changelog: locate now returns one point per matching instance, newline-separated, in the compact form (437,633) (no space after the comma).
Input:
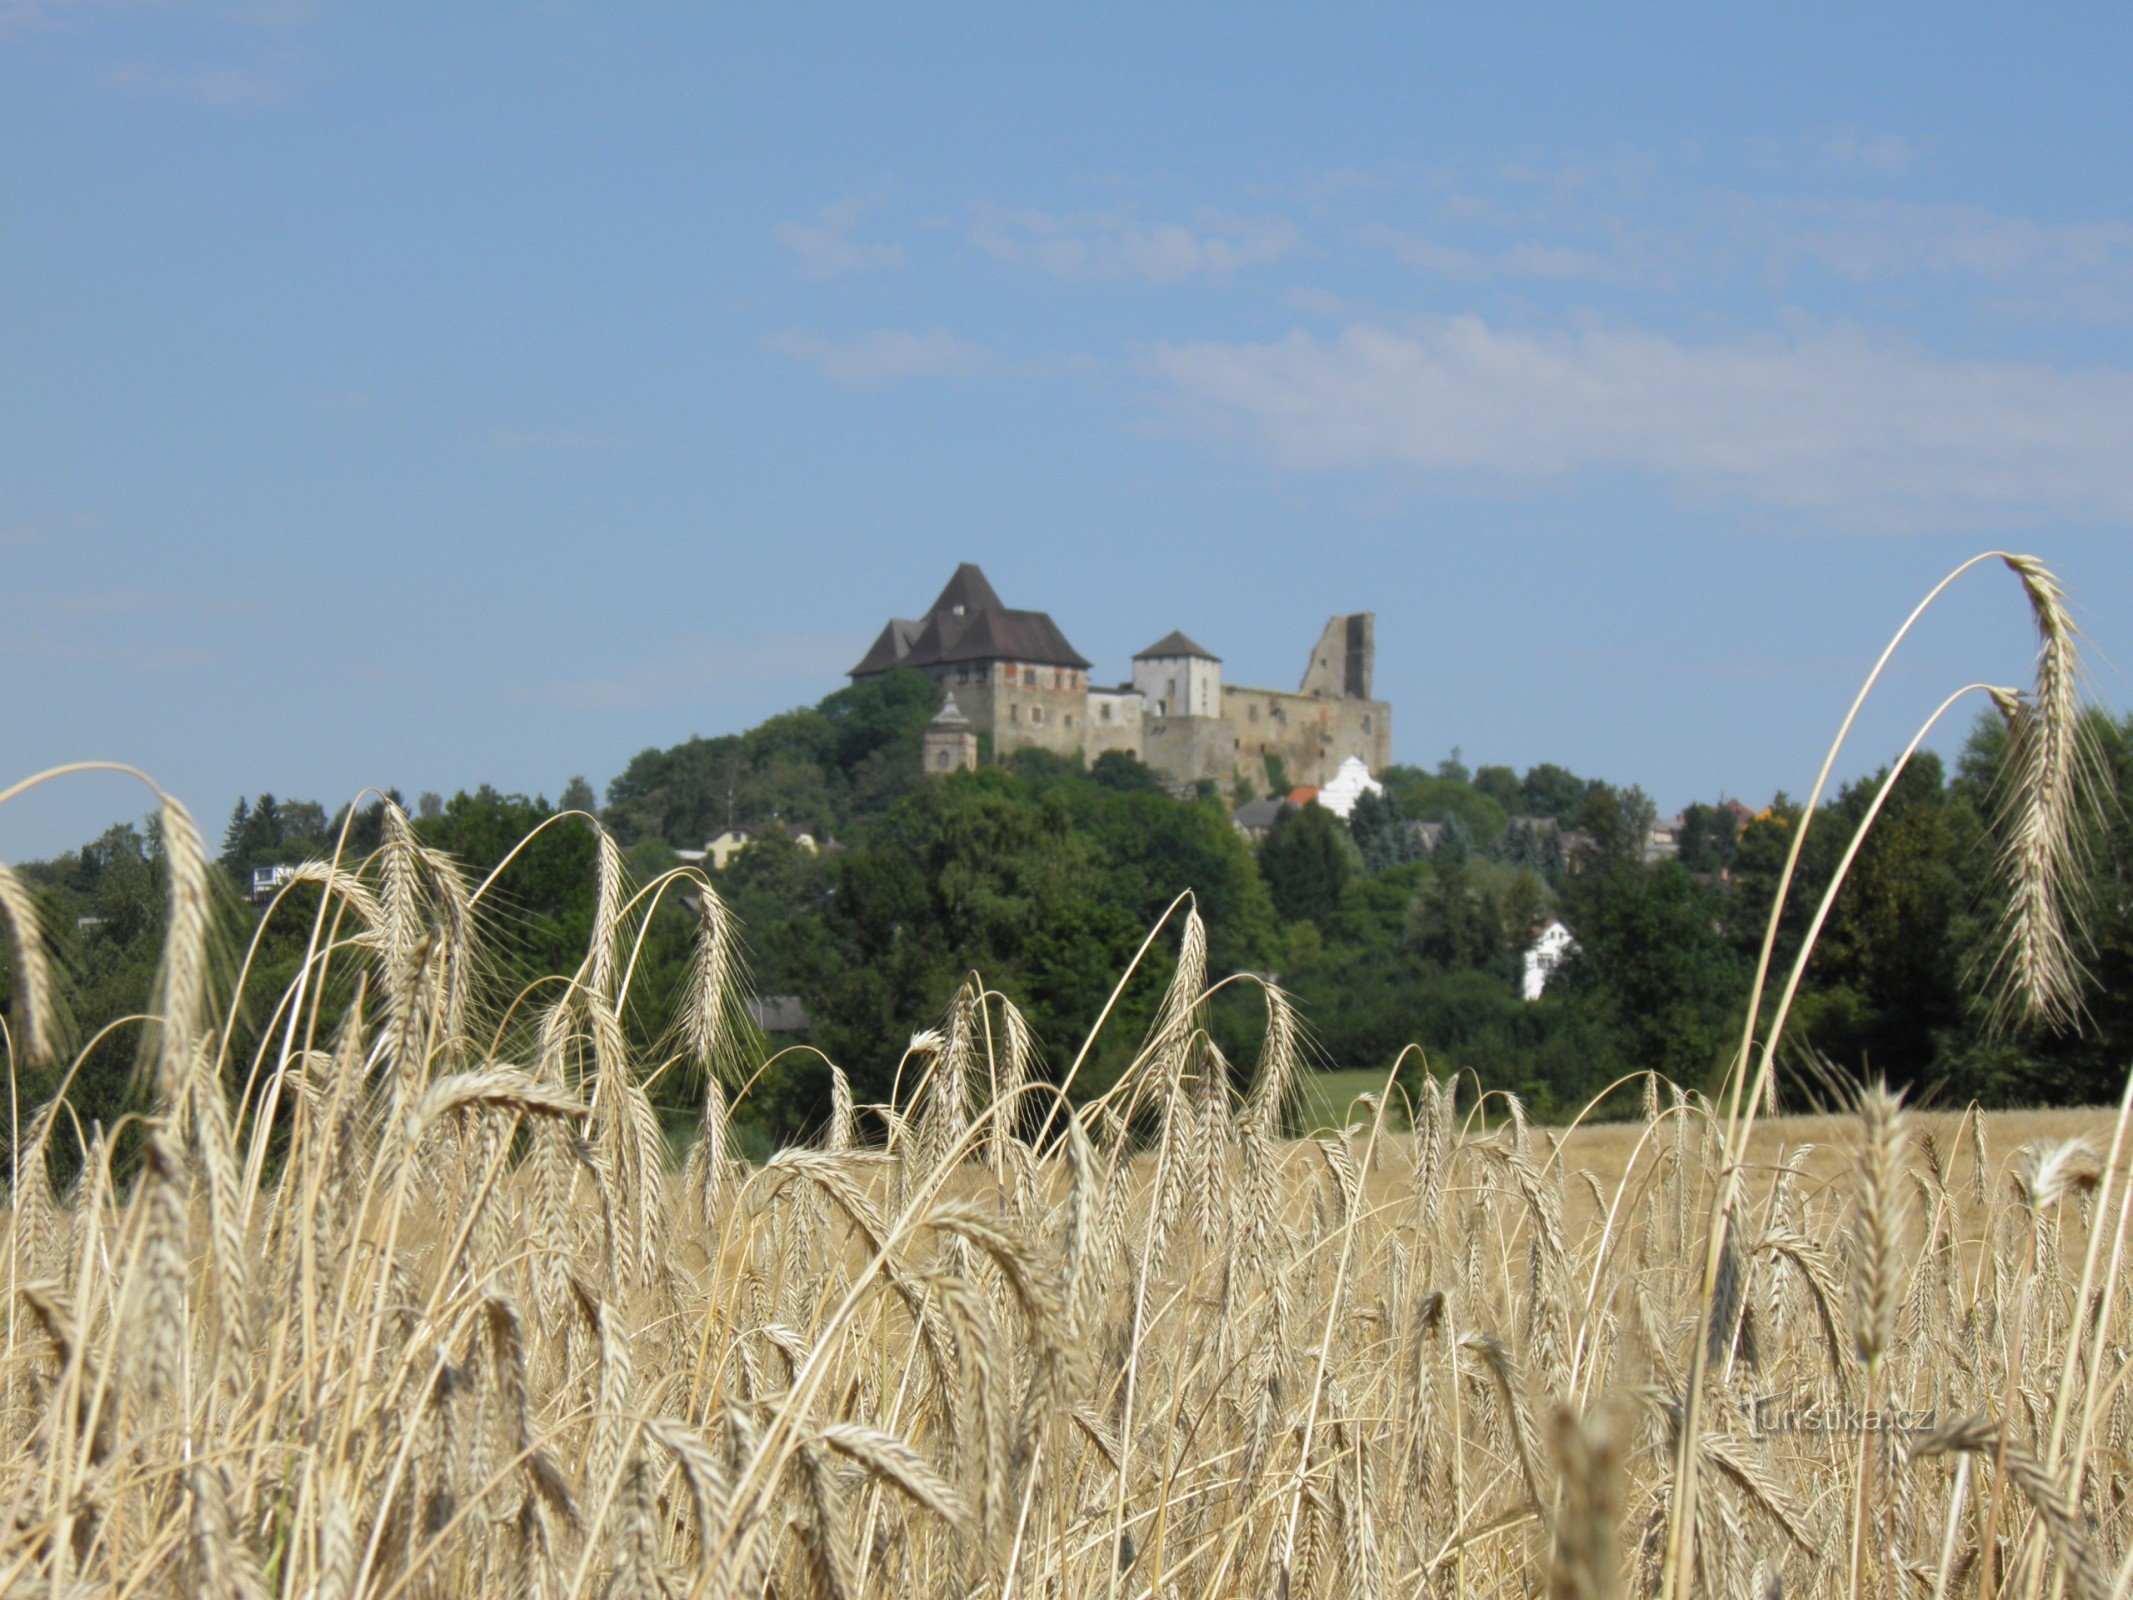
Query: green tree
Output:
(1125,772)
(1304,860)
(1552,791)
(1429,798)
(1707,837)
(1652,965)
(1382,834)
(1617,823)
(1500,784)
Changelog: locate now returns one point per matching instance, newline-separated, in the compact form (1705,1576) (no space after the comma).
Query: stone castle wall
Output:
(1018,707)
(1113,722)
(1311,735)
(1022,708)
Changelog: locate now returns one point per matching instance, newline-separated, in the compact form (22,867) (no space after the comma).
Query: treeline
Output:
(1406,925)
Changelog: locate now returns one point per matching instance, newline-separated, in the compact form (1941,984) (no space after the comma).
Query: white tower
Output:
(1178,678)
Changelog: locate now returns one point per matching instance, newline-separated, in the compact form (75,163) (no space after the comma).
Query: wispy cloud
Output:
(1834,422)
(886,355)
(1625,228)
(1531,259)
(827,246)
(1120,243)
(148,630)
(41,16)
(32,16)
(124,602)
(1868,240)
(687,672)
(559,441)
(222,87)
(1885,155)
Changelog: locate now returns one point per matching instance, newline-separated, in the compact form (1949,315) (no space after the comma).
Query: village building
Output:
(1017,684)
(1348,785)
(1550,948)
(729,841)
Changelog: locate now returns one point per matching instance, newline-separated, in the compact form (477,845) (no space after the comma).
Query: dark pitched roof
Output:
(968,623)
(967,591)
(888,649)
(1175,643)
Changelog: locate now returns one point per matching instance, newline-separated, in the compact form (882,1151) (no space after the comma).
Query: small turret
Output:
(949,743)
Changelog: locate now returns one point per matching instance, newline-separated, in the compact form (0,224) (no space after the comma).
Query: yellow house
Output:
(723,846)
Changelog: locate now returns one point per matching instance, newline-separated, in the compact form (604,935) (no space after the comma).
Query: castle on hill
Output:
(1014,683)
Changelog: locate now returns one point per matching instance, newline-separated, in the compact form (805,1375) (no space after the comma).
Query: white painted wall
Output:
(1349,784)
(1550,947)
(1180,686)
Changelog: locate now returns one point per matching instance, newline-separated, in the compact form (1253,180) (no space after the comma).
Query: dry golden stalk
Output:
(33,970)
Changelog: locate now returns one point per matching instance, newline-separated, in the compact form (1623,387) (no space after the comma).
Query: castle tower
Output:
(1342,660)
(949,744)
(1178,678)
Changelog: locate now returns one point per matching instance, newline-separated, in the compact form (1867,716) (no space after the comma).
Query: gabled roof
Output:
(966,592)
(1174,644)
(968,623)
(888,649)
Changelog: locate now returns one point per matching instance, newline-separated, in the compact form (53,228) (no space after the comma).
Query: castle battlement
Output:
(1018,685)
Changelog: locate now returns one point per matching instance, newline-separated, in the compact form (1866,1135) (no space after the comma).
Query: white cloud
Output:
(1832,422)
(825,246)
(1878,240)
(886,355)
(1121,244)
(1531,259)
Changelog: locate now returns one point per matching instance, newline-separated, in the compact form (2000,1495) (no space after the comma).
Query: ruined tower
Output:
(1342,660)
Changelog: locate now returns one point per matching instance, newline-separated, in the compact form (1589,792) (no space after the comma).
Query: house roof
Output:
(1174,644)
(950,715)
(968,623)
(1256,816)
(1302,797)
(967,591)
(888,649)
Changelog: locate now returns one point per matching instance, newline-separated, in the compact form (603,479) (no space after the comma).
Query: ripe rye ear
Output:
(33,973)
(2048,793)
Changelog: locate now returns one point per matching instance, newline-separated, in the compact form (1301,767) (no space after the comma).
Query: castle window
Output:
(1029,677)
(945,759)
(1014,713)
(1253,713)
(1366,722)
(1036,713)
(1105,711)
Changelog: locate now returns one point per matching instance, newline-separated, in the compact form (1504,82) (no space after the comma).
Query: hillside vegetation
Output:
(390,1289)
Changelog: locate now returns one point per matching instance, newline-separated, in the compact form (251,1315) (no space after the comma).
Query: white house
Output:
(1550,947)
(1347,786)
(267,881)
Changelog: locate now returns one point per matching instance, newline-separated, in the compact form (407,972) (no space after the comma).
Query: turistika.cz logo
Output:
(1772,1414)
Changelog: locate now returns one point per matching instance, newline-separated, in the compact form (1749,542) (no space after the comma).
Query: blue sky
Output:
(434,395)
